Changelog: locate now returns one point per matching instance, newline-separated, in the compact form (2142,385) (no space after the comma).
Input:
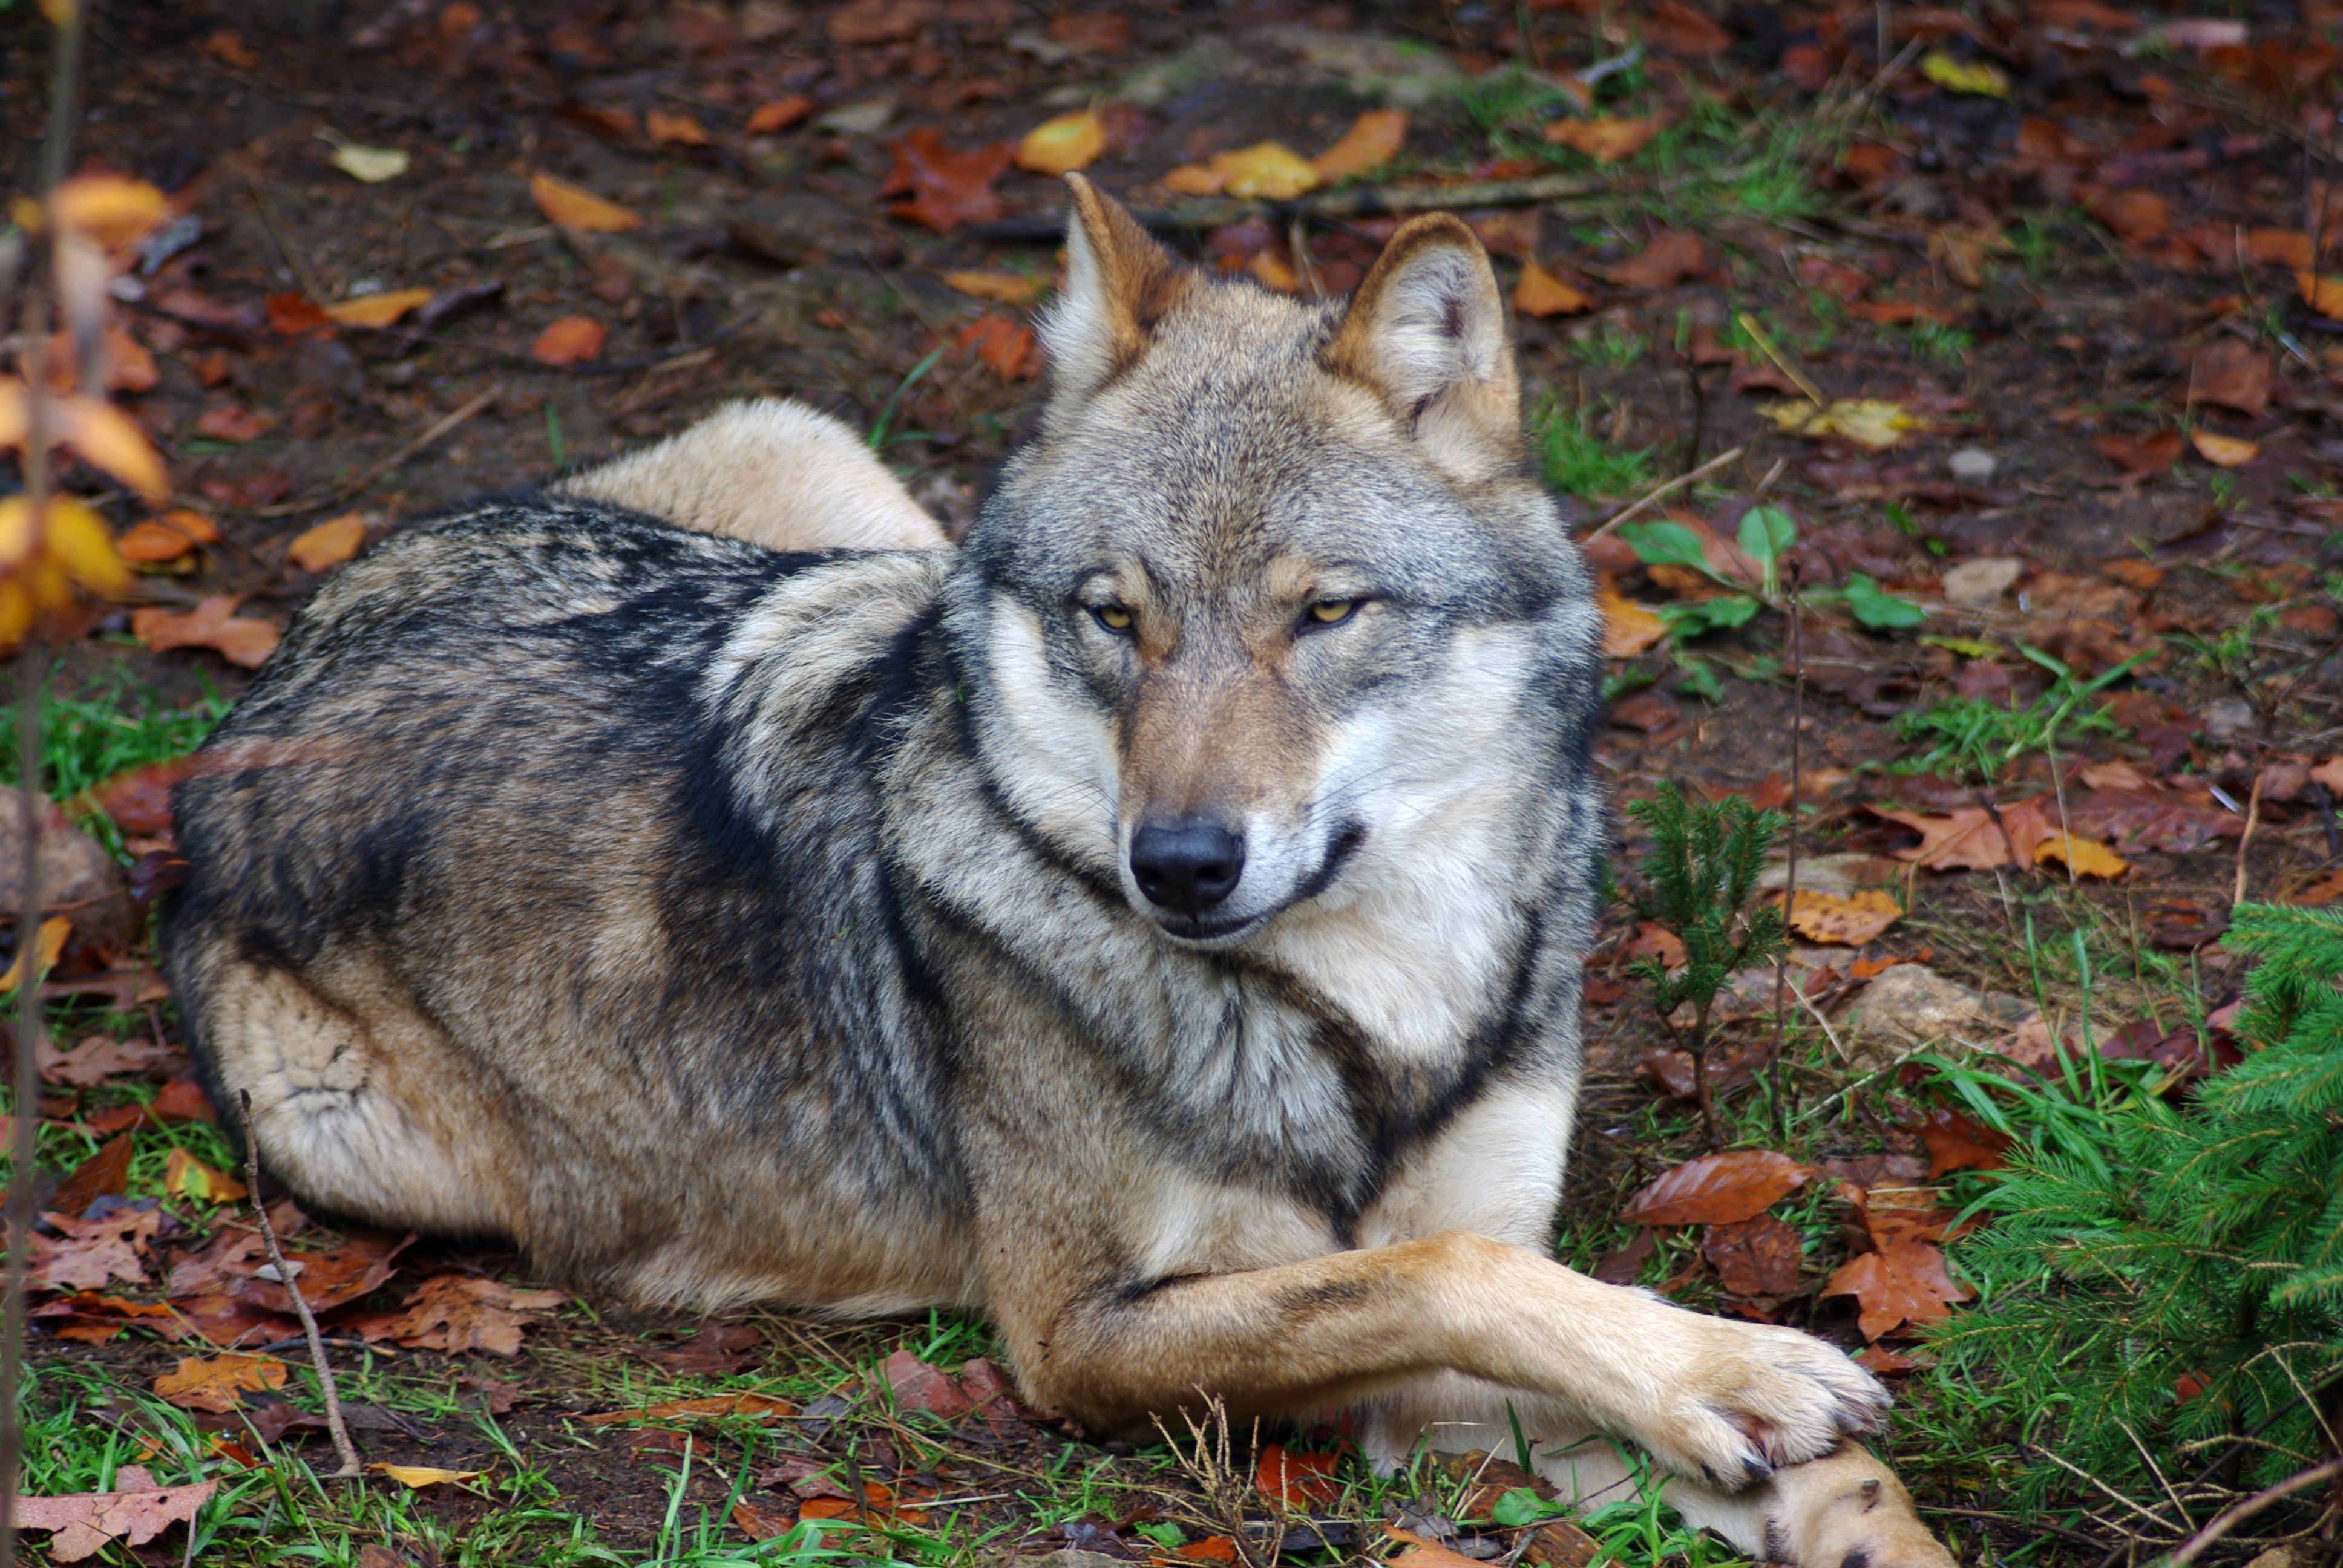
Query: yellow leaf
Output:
(2323,294)
(1064,144)
(183,1172)
(1606,140)
(1194,180)
(421,1475)
(1266,169)
(79,543)
(1979,78)
(1541,294)
(108,210)
(680,130)
(377,309)
(571,208)
(2087,858)
(2224,451)
(1628,628)
(1006,287)
(110,439)
(371,165)
(50,940)
(1852,921)
(1871,422)
(218,1383)
(330,544)
(1270,268)
(1373,140)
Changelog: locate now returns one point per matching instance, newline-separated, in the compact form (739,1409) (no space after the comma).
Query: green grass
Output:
(1579,463)
(1978,739)
(1945,345)
(107,728)
(1610,347)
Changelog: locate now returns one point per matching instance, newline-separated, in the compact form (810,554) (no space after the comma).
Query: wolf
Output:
(1156,925)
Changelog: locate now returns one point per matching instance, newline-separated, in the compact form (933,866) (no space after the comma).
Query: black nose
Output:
(1186,866)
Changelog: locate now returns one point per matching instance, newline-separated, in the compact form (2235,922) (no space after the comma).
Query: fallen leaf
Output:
(182,1100)
(780,114)
(140,801)
(455,1312)
(1210,1549)
(676,130)
(1851,921)
(1301,1482)
(212,624)
(1671,257)
(185,1174)
(93,1252)
(1265,169)
(1978,78)
(1881,1362)
(139,1510)
(1964,840)
(1956,1144)
(1003,288)
(371,166)
(377,309)
(1904,1282)
(234,422)
(416,1477)
(764,1407)
(2289,248)
(99,1057)
(1759,1257)
(1374,139)
(332,1277)
(217,1383)
(917,1385)
(87,1318)
(152,543)
(1009,346)
(1062,145)
(946,188)
(2085,857)
(105,1173)
(1426,1554)
(571,341)
(1541,294)
(879,21)
(575,208)
(330,544)
(1628,628)
(2224,451)
(48,942)
(2134,215)
(721,1349)
(298,316)
(1871,422)
(1196,180)
(1606,140)
(2234,375)
(757,1524)
(1674,27)
(1718,1189)
(2140,456)
(2323,294)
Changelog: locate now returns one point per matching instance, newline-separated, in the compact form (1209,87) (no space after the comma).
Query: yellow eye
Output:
(1332,611)
(1113,616)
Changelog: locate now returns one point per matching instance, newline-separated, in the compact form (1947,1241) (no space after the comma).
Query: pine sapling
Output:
(1700,869)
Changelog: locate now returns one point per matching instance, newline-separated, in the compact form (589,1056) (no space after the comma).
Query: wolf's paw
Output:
(1750,1399)
(1846,1510)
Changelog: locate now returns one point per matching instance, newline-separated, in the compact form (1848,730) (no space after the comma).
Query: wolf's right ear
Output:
(1427,330)
(1119,284)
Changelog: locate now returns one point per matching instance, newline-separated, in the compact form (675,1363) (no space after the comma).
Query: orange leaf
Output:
(1374,139)
(106,437)
(573,207)
(2323,294)
(1956,1144)
(1852,921)
(2279,247)
(150,543)
(184,1173)
(1904,1283)
(1271,170)
(1606,140)
(1718,1189)
(2087,858)
(218,1383)
(330,544)
(1062,145)
(1006,287)
(298,316)
(1541,294)
(49,941)
(1007,346)
(780,114)
(765,1407)
(1210,1549)
(2224,451)
(569,341)
(757,1524)
(213,624)
(1298,1481)
(377,309)
(677,130)
(1671,257)
(1196,180)
(1628,628)
(1424,1553)
(234,422)
(2134,215)
(1759,1257)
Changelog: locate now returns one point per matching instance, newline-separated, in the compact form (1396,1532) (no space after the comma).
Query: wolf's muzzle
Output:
(1186,867)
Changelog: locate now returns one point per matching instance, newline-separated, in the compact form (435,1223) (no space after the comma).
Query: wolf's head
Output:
(1270,608)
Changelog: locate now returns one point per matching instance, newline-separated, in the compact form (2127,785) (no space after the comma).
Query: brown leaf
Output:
(1297,1481)
(1852,921)
(456,1312)
(331,1279)
(99,1057)
(1374,139)
(1759,1257)
(330,543)
(1718,1189)
(879,21)
(721,1349)
(1007,346)
(765,1407)
(217,1383)
(378,310)
(579,210)
(572,340)
(1674,27)
(2234,375)
(1606,140)
(2287,247)
(1671,257)
(134,1513)
(1002,287)
(1628,628)
(234,422)
(2134,215)
(757,1524)
(946,188)
(181,1100)
(104,1174)
(1541,294)
(1621,1265)
(1904,1282)
(1956,1144)
(676,130)
(1964,840)
(780,114)
(94,1251)
(1424,1553)
(298,316)
(212,624)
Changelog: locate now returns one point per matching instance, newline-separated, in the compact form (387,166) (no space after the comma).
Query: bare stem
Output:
(2239,1513)
(341,1433)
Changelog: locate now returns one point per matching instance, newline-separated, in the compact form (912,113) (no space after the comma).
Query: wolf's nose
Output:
(1186,866)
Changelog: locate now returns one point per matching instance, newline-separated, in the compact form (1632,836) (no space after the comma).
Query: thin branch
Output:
(2253,820)
(2238,1513)
(1678,482)
(341,1433)
(348,488)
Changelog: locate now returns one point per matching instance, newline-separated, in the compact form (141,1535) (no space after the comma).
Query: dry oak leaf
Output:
(1759,1257)
(1003,287)
(572,340)
(1062,145)
(97,1059)
(1852,921)
(757,1524)
(1628,628)
(330,1279)
(1297,1481)
(1956,1144)
(574,207)
(414,1477)
(1374,139)
(94,1251)
(134,1513)
(1718,1189)
(676,130)
(218,1383)
(946,188)
(213,624)
(1541,294)
(456,1312)
(377,309)
(106,1172)
(1671,257)
(1606,140)
(2140,456)
(330,544)
(1904,1283)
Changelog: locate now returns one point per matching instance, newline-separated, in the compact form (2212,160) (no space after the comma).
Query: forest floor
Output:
(2007,317)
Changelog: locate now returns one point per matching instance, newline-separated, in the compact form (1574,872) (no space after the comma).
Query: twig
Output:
(341,1433)
(1790,875)
(1678,482)
(1757,336)
(2059,1530)
(2238,1513)
(343,492)
(2253,818)
(294,263)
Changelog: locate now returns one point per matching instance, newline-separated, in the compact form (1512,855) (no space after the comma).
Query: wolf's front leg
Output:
(1844,1508)
(1708,1398)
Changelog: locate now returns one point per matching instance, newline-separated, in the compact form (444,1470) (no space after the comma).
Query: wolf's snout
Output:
(1186,866)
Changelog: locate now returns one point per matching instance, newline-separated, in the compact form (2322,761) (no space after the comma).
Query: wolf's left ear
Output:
(1427,331)
(1119,284)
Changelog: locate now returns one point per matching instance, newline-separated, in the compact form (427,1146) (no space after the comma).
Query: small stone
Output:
(2229,718)
(1912,1006)
(1974,465)
(1979,584)
(863,119)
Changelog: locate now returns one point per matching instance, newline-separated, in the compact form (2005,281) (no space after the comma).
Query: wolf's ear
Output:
(1119,284)
(1427,331)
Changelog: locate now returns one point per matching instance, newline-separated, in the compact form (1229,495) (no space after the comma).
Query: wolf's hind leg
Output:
(1844,1508)
(370,1116)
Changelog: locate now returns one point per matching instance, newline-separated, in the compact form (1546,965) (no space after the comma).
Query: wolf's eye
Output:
(1113,616)
(1333,611)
